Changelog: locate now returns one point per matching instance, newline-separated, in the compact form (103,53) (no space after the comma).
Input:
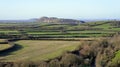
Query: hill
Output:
(46,20)
(58,20)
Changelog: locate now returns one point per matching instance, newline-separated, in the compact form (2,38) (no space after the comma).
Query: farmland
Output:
(36,50)
(55,43)
(44,30)
(4,46)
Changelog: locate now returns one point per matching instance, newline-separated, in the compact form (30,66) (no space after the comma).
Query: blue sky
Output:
(77,9)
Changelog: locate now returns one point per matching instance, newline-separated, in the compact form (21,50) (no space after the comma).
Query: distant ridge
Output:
(15,21)
(58,20)
(46,20)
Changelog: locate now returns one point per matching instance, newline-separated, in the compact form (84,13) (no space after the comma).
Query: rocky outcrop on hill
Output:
(58,20)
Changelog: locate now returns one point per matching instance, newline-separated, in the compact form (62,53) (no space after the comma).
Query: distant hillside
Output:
(58,20)
(17,21)
(46,20)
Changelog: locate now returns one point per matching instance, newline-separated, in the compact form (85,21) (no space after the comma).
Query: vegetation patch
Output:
(116,59)
(36,50)
(4,46)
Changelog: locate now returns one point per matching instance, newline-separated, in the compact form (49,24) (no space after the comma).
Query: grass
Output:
(104,26)
(2,40)
(53,30)
(90,31)
(9,31)
(115,29)
(116,59)
(4,46)
(58,32)
(72,35)
(36,50)
(44,33)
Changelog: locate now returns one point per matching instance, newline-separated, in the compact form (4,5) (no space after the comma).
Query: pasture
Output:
(4,46)
(46,42)
(37,50)
(46,30)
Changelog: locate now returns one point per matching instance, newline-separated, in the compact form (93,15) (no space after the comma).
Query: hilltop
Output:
(58,20)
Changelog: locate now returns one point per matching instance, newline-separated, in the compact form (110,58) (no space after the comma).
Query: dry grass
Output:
(36,50)
(4,46)
(2,40)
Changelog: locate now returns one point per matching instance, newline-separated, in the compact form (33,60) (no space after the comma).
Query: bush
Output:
(70,59)
(54,63)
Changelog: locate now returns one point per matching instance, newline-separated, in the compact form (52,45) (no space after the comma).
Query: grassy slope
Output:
(35,50)
(104,26)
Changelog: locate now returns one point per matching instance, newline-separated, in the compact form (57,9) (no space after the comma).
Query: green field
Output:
(37,50)
(91,29)
(44,41)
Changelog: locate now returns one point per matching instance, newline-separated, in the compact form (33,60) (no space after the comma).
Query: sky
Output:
(76,9)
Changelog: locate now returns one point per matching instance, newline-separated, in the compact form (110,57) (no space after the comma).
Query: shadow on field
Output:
(6,52)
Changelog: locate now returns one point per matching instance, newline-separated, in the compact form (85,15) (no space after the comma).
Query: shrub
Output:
(70,59)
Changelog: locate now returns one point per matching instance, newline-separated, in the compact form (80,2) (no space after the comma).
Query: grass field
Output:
(36,50)
(4,46)
(2,40)
(91,29)
(42,42)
